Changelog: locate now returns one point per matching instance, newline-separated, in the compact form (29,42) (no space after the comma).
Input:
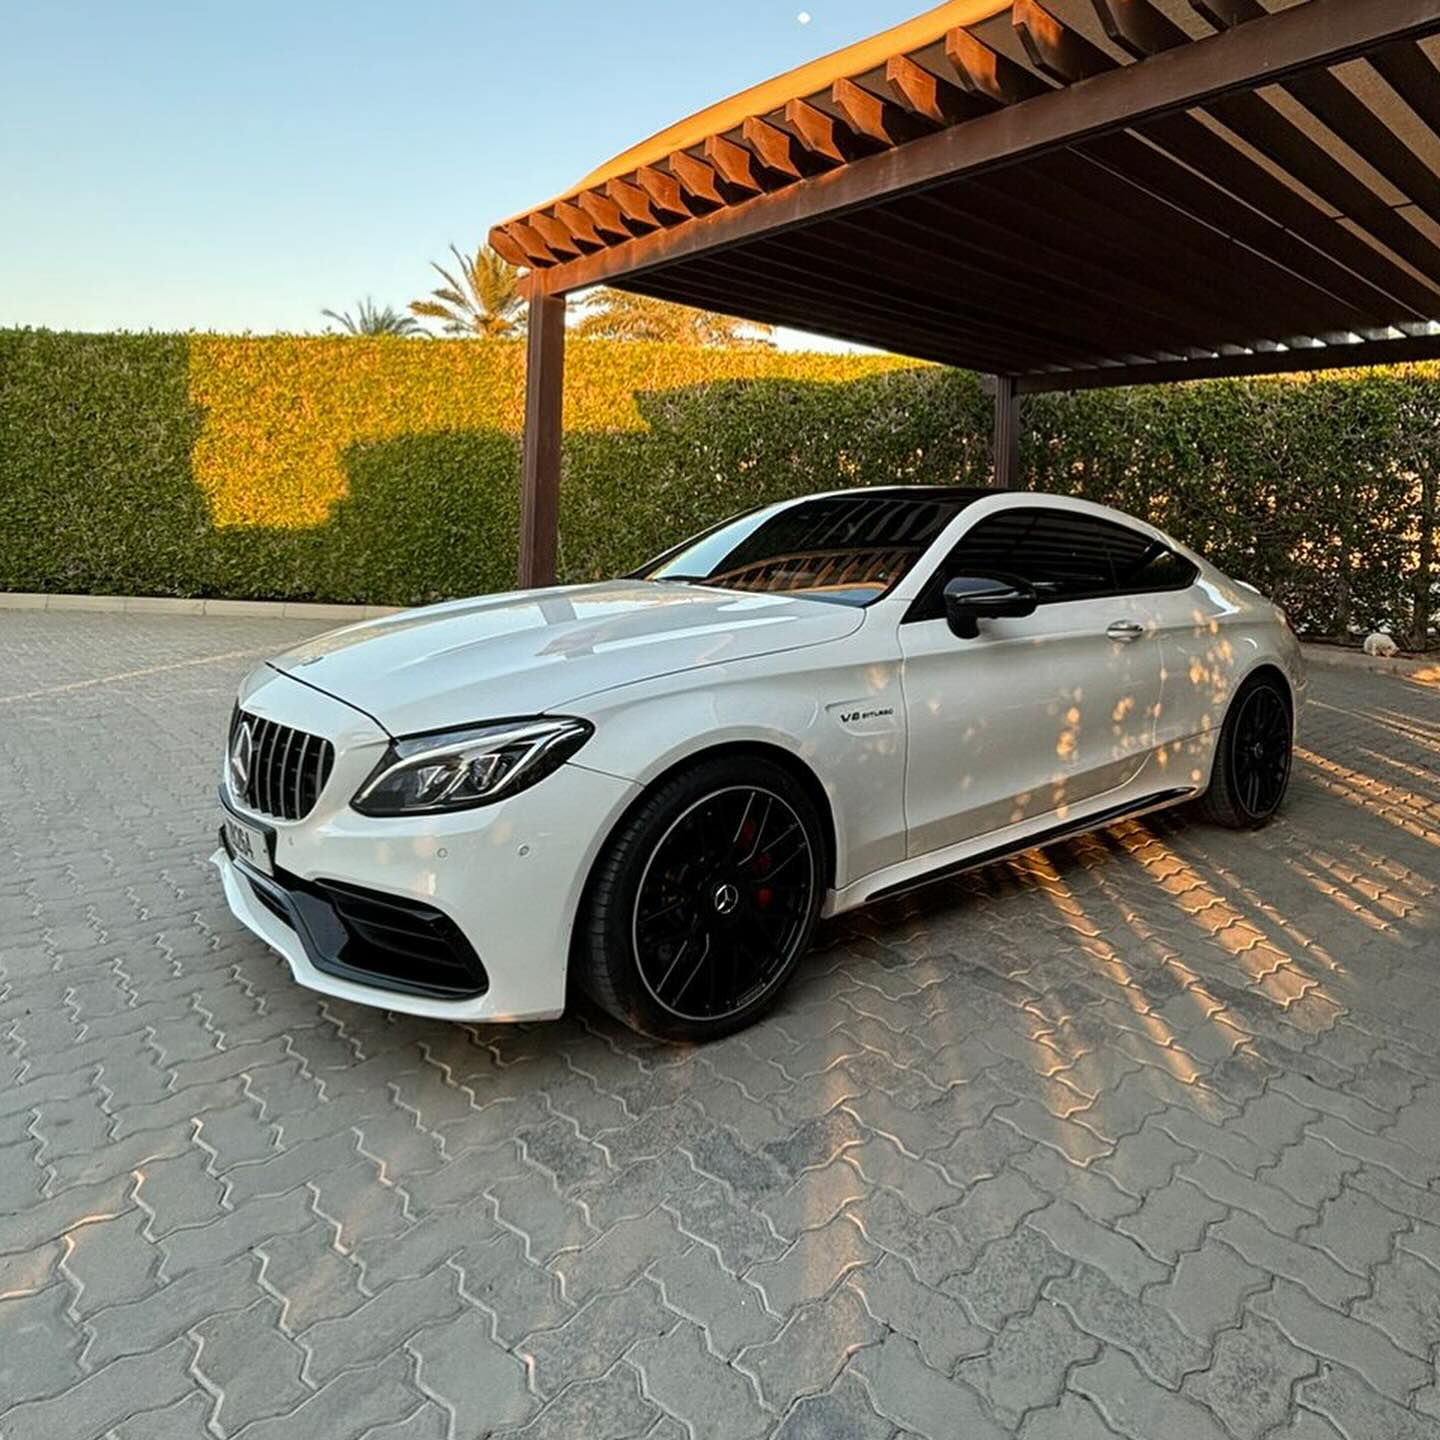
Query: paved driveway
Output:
(1138,1136)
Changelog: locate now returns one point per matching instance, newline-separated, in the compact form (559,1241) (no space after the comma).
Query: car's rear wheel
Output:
(1252,757)
(704,900)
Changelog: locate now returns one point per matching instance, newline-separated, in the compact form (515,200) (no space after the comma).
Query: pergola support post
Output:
(540,448)
(1006,445)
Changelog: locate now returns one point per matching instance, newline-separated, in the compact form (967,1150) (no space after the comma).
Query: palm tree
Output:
(483,298)
(368,320)
(619,315)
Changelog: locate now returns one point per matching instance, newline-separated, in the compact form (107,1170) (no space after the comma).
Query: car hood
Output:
(540,650)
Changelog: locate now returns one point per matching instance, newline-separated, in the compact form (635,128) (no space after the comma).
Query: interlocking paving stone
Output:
(906,1390)
(807,1354)
(253,1369)
(41,1350)
(1025,1368)
(1249,1381)
(714,1400)
(1335,1336)
(1008,1277)
(1143,1330)
(588,1344)
(936,1323)
(815,1264)
(480,1383)
(612,1405)
(1358,1412)
(1134,1137)
(844,1413)
(1138,1408)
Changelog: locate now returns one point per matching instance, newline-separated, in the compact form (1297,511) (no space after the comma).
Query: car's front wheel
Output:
(1252,758)
(704,900)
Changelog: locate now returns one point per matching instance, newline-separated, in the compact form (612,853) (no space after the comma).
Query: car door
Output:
(1038,713)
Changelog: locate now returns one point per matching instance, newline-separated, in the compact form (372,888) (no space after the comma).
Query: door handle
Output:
(1125,631)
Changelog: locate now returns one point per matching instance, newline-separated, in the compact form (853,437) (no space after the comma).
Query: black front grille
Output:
(285,770)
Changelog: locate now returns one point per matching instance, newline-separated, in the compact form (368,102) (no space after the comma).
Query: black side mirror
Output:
(969,599)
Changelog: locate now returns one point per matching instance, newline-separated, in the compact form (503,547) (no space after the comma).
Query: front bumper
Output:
(496,889)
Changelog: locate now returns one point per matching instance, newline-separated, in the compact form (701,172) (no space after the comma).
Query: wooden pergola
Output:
(1065,194)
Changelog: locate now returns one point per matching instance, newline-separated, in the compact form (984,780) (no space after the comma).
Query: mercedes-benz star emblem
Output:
(242,751)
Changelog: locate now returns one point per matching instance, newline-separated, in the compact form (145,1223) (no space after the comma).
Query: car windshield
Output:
(849,549)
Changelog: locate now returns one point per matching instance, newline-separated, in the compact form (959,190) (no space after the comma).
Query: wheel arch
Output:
(1266,669)
(787,760)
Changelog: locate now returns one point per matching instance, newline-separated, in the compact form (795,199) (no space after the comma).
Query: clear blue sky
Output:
(193,164)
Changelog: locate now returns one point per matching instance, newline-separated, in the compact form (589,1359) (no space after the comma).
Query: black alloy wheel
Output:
(705,901)
(1253,758)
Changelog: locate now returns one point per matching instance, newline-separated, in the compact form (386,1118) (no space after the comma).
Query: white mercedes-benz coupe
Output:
(654,786)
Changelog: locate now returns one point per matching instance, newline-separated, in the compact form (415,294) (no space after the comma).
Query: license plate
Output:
(249,844)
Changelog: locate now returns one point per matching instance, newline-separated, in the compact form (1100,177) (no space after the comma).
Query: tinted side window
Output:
(1065,556)
(1161,569)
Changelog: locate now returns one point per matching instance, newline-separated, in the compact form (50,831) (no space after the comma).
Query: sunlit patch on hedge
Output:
(281,412)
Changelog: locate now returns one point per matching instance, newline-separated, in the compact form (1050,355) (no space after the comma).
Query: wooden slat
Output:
(1144,238)
(1004,241)
(507,247)
(735,165)
(698,180)
(579,224)
(766,313)
(1022,230)
(1138,28)
(558,240)
(727,295)
(529,240)
(780,151)
(880,119)
(930,96)
(1413,76)
(664,193)
(634,206)
(1067,56)
(989,74)
(1055,49)
(828,137)
(1222,14)
(604,214)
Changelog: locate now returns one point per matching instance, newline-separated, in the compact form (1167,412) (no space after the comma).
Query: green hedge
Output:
(1321,491)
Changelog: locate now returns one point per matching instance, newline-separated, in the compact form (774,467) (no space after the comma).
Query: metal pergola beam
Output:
(1270,362)
(1258,53)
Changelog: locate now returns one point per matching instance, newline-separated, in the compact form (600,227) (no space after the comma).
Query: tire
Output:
(1253,757)
(720,864)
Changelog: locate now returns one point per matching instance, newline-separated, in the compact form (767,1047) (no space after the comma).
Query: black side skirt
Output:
(1066,828)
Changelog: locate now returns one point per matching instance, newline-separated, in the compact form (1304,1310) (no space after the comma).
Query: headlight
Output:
(459,769)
